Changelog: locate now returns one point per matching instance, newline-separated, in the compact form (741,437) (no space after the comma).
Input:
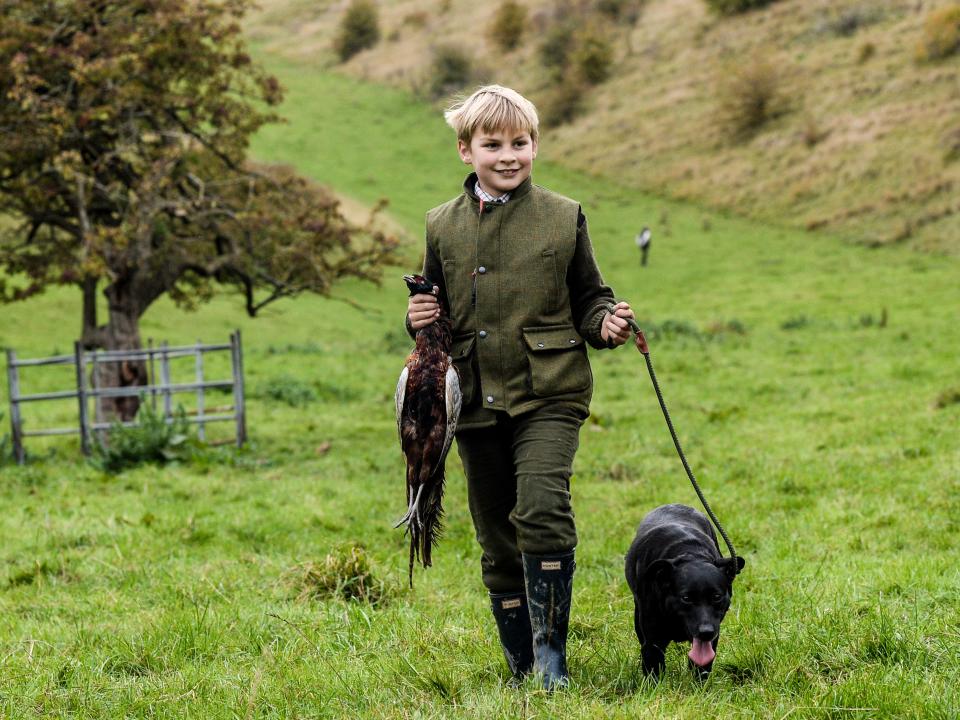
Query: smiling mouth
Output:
(513,171)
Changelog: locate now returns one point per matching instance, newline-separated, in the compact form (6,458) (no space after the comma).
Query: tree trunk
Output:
(122,332)
(90,333)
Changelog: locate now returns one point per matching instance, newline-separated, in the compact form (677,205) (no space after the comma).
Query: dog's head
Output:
(697,593)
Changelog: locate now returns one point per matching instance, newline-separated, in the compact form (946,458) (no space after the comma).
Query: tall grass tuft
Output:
(345,573)
(950,396)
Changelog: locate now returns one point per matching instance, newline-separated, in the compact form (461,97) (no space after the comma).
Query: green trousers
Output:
(518,484)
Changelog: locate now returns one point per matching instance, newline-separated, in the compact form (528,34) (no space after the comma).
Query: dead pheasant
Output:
(428,405)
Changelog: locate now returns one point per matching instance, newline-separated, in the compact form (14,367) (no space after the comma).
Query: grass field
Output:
(814,385)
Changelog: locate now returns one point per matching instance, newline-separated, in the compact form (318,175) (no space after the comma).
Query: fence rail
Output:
(91,360)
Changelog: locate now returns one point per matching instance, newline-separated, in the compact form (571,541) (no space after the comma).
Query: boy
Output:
(513,264)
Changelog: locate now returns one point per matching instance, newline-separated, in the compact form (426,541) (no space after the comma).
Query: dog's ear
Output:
(728,566)
(660,572)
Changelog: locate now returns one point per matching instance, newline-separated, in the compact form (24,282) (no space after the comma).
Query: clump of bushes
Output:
(623,11)
(450,70)
(593,57)
(575,59)
(941,34)
(750,95)
(344,574)
(732,7)
(569,52)
(554,50)
(507,26)
(561,103)
(152,439)
(359,29)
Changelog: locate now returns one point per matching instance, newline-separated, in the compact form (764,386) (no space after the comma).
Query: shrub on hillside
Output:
(623,11)
(507,26)
(593,57)
(359,29)
(941,34)
(561,103)
(556,47)
(732,7)
(750,95)
(450,70)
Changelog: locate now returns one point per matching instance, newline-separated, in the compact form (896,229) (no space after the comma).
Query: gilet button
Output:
(481,269)
(489,398)
(483,333)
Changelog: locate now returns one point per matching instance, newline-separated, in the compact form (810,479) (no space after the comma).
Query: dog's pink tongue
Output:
(701,652)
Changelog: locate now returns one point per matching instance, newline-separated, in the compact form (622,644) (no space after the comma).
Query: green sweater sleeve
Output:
(433,271)
(589,296)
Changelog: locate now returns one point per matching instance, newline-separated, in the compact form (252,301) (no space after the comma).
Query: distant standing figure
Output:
(644,240)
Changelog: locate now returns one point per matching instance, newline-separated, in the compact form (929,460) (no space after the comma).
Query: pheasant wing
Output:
(399,396)
(453,401)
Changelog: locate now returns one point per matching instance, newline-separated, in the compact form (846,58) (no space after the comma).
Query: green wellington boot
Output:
(549,580)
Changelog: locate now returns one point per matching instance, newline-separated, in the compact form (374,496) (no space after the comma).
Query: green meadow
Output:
(814,385)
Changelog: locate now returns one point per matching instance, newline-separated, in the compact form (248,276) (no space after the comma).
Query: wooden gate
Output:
(164,389)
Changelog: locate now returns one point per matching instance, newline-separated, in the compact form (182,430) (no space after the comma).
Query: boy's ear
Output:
(534,144)
(465,154)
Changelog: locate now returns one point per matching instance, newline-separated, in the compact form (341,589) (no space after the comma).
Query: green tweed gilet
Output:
(524,292)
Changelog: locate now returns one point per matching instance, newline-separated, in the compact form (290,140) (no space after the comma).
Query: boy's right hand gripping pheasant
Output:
(428,403)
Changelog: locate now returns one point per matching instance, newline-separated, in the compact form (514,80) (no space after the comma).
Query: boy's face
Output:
(502,159)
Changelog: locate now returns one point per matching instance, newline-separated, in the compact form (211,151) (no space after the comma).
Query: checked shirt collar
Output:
(487,197)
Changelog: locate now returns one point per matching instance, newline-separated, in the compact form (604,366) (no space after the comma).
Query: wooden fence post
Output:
(80,363)
(97,400)
(152,378)
(201,434)
(13,383)
(165,381)
(236,352)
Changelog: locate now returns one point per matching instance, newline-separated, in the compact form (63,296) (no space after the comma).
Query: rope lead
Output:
(645,351)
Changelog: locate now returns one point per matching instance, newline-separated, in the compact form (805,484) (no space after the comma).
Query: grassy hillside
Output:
(863,142)
(810,381)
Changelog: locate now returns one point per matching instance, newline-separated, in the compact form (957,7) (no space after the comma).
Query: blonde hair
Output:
(492,108)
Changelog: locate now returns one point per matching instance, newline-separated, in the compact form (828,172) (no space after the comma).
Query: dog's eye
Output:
(717,597)
(685,599)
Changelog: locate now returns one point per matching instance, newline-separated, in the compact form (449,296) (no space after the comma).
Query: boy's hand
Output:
(423,309)
(615,330)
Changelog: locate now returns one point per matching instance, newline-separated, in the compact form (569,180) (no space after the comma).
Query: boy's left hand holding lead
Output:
(615,330)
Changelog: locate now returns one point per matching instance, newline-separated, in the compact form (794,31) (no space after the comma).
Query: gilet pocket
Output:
(462,352)
(558,360)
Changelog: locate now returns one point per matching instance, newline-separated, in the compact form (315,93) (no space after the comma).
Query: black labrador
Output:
(681,586)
